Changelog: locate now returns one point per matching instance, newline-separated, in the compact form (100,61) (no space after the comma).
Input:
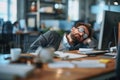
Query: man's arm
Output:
(48,39)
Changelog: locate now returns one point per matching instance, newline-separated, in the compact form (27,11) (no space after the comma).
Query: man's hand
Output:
(87,41)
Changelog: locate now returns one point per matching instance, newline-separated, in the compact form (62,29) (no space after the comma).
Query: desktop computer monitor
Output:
(118,56)
(109,30)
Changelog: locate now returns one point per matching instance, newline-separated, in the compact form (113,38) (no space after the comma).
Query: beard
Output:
(75,39)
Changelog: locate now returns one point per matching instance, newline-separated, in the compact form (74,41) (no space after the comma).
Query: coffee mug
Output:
(46,55)
(15,53)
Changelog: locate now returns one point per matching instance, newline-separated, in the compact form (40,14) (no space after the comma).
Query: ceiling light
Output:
(115,3)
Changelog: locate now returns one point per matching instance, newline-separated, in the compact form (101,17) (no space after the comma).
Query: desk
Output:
(22,40)
(19,38)
(75,73)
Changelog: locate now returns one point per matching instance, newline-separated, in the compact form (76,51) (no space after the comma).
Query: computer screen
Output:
(109,30)
(118,56)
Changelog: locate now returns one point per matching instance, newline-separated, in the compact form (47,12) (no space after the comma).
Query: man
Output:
(16,28)
(80,36)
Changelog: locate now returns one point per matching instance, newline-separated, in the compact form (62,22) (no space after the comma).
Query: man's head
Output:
(81,31)
(16,23)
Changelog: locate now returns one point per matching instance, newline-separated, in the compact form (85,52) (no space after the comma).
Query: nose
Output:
(81,33)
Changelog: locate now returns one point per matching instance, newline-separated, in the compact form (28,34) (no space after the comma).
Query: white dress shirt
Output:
(64,45)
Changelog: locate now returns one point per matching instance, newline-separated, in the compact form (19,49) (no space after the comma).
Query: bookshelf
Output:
(37,10)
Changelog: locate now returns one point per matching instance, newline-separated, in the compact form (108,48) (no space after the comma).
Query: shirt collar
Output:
(65,41)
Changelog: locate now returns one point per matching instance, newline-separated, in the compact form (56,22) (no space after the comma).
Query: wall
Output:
(20,9)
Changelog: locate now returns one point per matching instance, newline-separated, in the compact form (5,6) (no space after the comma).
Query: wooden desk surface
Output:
(72,73)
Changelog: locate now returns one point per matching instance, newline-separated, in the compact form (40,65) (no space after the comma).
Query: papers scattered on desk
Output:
(61,64)
(9,71)
(79,64)
(89,64)
(68,55)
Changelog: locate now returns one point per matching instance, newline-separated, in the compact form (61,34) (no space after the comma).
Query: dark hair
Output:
(88,26)
(16,22)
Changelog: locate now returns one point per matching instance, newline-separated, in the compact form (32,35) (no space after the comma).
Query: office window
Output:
(8,10)
(13,10)
(73,9)
(3,9)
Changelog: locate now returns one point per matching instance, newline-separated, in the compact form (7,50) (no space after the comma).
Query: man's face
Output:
(79,34)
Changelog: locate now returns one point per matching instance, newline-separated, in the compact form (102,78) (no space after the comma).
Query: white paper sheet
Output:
(89,64)
(8,71)
(61,64)
(68,55)
(85,49)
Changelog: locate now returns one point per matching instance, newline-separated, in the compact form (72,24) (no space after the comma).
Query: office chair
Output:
(6,37)
(3,44)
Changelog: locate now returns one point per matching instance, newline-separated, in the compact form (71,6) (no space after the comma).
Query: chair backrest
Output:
(7,27)
(7,31)
(6,36)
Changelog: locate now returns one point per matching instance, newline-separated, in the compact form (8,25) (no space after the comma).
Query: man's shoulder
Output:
(53,35)
(53,32)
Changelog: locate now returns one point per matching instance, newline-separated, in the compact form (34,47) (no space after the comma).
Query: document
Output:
(68,55)
(9,71)
(85,49)
(79,64)
(89,64)
(61,64)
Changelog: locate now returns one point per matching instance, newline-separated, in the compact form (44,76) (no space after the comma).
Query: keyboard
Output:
(92,52)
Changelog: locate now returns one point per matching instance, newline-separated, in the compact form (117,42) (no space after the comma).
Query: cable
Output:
(109,44)
(115,36)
